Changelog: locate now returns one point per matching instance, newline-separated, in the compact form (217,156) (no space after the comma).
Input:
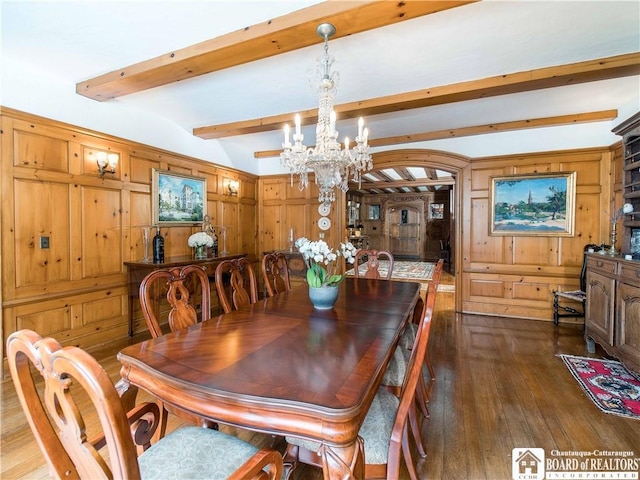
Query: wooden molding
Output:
(481,129)
(548,77)
(279,35)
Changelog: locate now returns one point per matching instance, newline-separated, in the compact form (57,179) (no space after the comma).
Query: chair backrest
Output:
(583,271)
(399,434)
(70,372)
(242,283)
(275,271)
(373,263)
(177,281)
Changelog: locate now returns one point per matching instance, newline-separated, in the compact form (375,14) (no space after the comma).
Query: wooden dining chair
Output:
(397,368)
(238,276)
(373,263)
(79,397)
(275,271)
(177,281)
(385,430)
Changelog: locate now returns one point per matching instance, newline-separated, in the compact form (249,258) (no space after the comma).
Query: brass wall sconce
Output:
(107,162)
(231,187)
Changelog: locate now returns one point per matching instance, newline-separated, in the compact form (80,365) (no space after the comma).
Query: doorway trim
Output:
(457,165)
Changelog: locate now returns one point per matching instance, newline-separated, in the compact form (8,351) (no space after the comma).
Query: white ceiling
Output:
(72,41)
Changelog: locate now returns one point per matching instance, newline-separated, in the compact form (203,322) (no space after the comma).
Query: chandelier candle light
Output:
(331,164)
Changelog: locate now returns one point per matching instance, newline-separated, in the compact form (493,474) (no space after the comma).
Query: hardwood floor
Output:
(499,385)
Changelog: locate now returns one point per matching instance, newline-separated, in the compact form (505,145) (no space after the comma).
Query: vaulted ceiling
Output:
(418,71)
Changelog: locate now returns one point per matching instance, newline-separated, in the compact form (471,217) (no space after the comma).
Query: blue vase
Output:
(323,298)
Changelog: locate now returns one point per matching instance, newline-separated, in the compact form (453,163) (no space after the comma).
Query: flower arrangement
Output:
(624,210)
(200,239)
(320,260)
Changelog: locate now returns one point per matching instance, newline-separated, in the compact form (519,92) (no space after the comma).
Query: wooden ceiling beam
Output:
(556,76)
(279,35)
(572,119)
(423,182)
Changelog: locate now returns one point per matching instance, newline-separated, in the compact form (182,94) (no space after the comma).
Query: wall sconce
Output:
(231,187)
(104,160)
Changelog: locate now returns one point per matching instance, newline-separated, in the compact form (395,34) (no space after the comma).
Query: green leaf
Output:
(334,279)
(312,279)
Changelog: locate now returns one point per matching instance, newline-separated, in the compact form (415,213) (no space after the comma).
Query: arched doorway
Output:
(402,160)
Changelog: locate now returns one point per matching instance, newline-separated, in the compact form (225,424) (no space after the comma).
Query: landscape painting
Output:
(533,205)
(178,199)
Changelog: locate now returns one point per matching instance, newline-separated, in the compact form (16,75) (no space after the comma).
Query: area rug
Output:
(402,270)
(608,383)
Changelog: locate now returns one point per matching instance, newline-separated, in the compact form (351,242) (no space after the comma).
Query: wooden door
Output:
(405,227)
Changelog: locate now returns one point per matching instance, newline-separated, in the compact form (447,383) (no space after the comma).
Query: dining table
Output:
(281,367)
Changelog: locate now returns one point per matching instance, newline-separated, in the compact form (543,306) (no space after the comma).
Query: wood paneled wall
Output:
(515,276)
(76,290)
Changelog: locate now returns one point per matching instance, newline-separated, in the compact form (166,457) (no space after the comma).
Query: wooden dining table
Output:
(281,367)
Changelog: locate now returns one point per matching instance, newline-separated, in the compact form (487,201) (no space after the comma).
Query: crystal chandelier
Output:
(331,163)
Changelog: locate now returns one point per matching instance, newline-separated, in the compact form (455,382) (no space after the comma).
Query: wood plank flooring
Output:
(499,385)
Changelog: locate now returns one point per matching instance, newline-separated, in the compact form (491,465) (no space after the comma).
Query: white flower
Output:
(319,253)
(200,239)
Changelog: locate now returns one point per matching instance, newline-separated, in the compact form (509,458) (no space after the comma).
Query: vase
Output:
(201,252)
(323,298)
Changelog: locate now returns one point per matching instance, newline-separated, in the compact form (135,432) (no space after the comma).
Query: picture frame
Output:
(374,212)
(178,199)
(541,204)
(436,211)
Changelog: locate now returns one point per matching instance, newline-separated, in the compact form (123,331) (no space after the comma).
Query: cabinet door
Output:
(628,321)
(600,307)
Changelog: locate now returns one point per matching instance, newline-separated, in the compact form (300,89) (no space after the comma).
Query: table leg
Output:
(343,463)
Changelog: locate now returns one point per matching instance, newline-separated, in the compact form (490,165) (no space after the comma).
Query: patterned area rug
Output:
(612,387)
(402,270)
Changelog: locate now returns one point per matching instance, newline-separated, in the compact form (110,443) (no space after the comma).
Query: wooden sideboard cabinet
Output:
(612,316)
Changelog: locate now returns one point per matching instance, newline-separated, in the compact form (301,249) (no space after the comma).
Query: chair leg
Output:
(290,461)
(555,310)
(416,431)
(432,373)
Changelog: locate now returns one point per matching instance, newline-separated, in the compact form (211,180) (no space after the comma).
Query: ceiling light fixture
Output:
(331,164)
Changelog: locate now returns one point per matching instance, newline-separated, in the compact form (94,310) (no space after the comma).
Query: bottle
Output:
(158,247)
(214,248)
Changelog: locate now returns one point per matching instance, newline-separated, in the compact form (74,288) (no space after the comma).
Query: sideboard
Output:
(612,316)
(140,269)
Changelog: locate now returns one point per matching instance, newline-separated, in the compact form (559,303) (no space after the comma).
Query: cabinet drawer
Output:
(601,265)
(630,273)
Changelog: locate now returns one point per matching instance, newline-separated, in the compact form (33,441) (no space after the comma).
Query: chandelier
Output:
(331,164)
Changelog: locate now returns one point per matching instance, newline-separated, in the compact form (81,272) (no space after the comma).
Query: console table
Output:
(612,316)
(140,269)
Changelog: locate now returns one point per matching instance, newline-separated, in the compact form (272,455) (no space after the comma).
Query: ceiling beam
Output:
(556,76)
(423,182)
(572,119)
(279,35)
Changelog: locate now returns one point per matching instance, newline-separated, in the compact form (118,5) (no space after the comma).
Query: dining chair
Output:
(79,397)
(398,365)
(385,430)
(373,263)
(238,276)
(178,282)
(275,271)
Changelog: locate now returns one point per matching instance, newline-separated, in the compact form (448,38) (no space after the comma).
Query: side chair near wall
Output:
(275,271)
(182,314)
(240,277)
(59,419)
(373,263)
(385,430)
(577,297)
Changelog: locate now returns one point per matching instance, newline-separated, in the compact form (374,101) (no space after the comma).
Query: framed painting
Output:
(533,205)
(178,199)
